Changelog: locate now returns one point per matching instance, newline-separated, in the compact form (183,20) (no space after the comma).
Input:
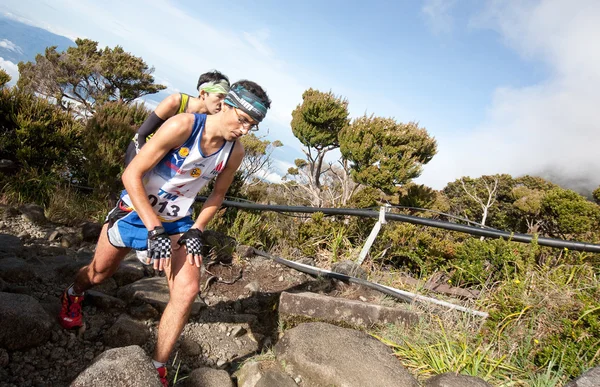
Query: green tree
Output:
(106,136)
(4,78)
(596,195)
(385,153)
(41,140)
(257,160)
(529,204)
(84,76)
(566,213)
(316,123)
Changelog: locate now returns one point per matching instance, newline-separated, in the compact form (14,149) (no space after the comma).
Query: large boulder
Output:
(339,311)
(208,377)
(591,378)
(323,354)
(23,322)
(16,270)
(123,367)
(10,246)
(125,332)
(450,379)
(153,291)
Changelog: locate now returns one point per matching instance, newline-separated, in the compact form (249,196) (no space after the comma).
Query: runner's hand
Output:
(192,239)
(159,248)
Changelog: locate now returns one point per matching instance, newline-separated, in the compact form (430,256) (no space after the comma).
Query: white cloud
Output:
(550,127)
(11,69)
(5,43)
(438,15)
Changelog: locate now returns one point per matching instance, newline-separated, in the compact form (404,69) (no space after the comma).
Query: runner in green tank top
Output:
(212,88)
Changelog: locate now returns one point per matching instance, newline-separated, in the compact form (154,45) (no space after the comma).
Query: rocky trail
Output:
(235,336)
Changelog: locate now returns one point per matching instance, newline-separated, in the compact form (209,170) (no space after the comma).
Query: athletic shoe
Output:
(162,374)
(70,312)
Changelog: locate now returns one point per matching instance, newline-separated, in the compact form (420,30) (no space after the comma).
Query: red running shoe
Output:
(162,374)
(70,312)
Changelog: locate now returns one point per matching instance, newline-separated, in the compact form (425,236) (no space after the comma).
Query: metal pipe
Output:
(488,233)
(401,294)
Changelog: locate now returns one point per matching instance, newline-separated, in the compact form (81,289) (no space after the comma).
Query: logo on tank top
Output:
(195,172)
(184,152)
(217,169)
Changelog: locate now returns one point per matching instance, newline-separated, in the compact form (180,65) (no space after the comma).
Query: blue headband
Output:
(244,100)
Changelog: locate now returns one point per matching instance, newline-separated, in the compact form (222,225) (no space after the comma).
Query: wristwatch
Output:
(157,231)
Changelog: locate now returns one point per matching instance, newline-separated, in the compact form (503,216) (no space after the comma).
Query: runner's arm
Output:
(165,110)
(224,180)
(171,135)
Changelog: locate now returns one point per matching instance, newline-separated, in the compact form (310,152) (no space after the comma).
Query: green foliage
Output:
(420,249)
(257,160)
(366,197)
(385,153)
(417,195)
(107,135)
(88,76)
(318,120)
(478,263)
(4,78)
(596,195)
(41,140)
(566,212)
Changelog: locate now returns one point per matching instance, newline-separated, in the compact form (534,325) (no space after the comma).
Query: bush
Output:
(107,135)
(42,141)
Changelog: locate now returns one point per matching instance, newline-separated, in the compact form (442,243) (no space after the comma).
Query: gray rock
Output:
(153,291)
(15,270)
(90,232)
(128,366)
(144,312)
(128,272)
(244,251)
(126,331)
(10,246)
(349,268)
(33,213)
(340,311)
(249,374)
(104,301)
(23,322)
(324,354)
(590,378)
(274,377)
(450,379)
(208,377)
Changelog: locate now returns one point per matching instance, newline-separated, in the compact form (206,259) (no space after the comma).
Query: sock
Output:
(157,364)
(71,292)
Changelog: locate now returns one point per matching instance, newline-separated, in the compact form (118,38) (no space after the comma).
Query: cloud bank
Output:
(549,129)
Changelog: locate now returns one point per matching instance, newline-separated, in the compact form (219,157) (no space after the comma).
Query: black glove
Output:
(159,244)
(192,239)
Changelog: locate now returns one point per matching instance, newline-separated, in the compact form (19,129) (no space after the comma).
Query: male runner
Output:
(212,88)
(161,184)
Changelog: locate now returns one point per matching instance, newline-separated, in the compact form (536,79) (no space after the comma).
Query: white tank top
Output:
(172,185)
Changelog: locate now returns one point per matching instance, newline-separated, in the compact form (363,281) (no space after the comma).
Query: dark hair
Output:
(255,89)
(211,76)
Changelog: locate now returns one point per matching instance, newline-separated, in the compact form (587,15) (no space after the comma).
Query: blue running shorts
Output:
(126,229)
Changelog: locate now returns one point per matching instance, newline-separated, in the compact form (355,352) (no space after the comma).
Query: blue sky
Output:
(504,86)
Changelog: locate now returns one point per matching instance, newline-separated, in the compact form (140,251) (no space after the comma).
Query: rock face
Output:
(340,310)
(127,366)
(323,354)
(23,322)
(591,378)
(208,377)
(125,332)
(452,380)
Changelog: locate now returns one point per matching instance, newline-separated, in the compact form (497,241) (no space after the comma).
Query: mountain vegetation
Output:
(544,303)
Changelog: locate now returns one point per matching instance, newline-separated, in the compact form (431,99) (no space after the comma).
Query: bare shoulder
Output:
(169,106)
